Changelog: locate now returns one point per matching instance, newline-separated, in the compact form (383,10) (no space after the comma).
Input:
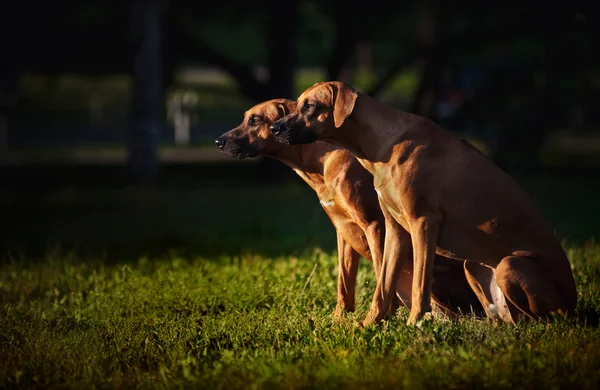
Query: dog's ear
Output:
(282,110)
(343,99)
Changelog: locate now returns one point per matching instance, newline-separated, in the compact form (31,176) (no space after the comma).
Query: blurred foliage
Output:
(520,70)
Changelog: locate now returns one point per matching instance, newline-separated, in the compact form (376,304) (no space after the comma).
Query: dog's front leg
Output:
(396,251)
(348,269)
(424,232)
(375,233)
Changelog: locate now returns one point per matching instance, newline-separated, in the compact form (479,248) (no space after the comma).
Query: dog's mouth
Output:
(240,153)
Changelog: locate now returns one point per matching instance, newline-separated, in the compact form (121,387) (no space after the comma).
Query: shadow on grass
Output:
(588,317)
(208,210)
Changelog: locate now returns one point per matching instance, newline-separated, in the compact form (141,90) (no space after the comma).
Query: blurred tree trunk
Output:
(428,36)
(169,50)
(9,73)
(8,103)
(347,21)
(281,63)
(147,98)
(281,41)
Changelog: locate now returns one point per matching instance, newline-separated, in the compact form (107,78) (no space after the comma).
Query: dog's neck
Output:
(308,158)
(372,130)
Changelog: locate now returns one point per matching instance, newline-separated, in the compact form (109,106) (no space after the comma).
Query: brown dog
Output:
(443,196)
(345,190)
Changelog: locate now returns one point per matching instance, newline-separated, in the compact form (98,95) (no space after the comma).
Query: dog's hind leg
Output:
(482,280)
(451,293)
(534,288)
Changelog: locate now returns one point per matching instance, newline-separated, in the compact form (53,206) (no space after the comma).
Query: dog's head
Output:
(320,111)
(253,137)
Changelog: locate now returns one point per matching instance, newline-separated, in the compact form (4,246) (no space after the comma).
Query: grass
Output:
(258,322)
(221,282)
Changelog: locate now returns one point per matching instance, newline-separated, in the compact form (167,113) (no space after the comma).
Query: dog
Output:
(443,196)
(346,193)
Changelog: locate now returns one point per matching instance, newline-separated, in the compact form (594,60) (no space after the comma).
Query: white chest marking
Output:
(327,204)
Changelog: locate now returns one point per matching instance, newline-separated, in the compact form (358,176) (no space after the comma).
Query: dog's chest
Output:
(391,201)
(326,197)
(335,209)
(327,202)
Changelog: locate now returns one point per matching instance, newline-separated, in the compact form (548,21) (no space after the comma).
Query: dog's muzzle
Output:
(221,142)
(275,128)
(235,148)
(281,132)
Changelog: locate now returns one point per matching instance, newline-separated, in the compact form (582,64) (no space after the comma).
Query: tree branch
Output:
(342,51)
(400,63)
(193,48)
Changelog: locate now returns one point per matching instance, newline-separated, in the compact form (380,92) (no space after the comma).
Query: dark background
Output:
(88,162)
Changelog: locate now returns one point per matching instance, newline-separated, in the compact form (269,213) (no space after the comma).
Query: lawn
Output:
(225,281)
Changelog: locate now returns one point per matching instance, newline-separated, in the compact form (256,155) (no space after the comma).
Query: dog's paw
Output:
(426,320)
(414,320)
(339,314)
(367,322)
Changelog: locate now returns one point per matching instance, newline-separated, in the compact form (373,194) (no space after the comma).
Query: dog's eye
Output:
(254,121)
(308,105)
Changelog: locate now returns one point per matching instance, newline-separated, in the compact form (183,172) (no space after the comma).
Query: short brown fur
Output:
(443,196)
(345,190)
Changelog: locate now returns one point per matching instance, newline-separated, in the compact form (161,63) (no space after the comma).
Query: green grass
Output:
(226,283)
(262,322)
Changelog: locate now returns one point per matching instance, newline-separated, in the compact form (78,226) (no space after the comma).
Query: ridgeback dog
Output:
(442,195)
(346,193)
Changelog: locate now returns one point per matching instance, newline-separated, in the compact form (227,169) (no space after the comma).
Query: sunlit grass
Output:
(233,286)
(262,322)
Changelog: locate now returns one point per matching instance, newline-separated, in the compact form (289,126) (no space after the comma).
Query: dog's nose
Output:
(275,128)
(220,142)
